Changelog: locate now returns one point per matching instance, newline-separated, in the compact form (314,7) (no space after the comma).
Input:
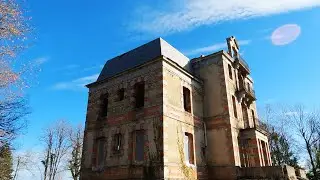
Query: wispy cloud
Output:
(291,113)
(76,84)
(67,67)
(40,60)
(77,69)
(189,14)
(213,48)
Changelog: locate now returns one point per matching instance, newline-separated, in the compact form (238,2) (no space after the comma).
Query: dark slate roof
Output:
(141,55)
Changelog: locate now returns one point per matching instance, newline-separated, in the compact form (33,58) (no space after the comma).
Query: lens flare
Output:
(285,34)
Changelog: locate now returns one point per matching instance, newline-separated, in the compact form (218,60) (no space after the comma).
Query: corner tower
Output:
(234,134)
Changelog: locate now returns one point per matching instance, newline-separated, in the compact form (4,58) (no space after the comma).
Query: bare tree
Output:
(76,140)
(14,32)
(23,162)
(57,145)
(306,125)
(11,119)
(280,149)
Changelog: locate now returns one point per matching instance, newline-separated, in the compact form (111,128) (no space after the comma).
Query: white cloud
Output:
(72,69)
(193,13)
(76,84)
(291,113)
(41,60)
(214,48)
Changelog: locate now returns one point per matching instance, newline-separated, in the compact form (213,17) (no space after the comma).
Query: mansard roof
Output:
(141,55)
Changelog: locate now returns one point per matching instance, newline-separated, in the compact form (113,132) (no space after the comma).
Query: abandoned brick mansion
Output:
(155,114)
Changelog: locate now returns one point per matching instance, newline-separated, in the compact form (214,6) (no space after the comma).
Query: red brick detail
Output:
(117,119)
(133,115)
(217,126)
(197,121)
(152,111)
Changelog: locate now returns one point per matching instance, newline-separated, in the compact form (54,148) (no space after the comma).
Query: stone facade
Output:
(197,118)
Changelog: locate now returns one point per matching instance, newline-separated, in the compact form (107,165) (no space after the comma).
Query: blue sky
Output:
(76,37)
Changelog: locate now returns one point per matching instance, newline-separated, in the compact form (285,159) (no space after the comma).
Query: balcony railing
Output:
(257,126)
(248,91)
(243,63)
(261,126)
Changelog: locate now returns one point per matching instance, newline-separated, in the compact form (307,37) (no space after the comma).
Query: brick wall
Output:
(124,118)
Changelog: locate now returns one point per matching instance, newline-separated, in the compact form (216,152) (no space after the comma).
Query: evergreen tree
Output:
(316,151)
(5,163)
(281,152)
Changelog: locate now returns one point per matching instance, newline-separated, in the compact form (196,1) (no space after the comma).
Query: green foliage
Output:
(186,170)
(316,153)
(281,152)
(5,163)
(310,175)
(152,169)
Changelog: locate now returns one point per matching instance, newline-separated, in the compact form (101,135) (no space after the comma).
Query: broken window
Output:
(230,71)
(139,94)
(234,107)
(104,105)
(188,148)
(101,152)
(186,99)
(121,94)
(117,141)
(139,145)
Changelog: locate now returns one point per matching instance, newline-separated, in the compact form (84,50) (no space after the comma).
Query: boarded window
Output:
(139,94)
(230,71)
(186,99)
(104,105)
(188,148)
(101,152)
(117,141)
(139,146)
(234,107)
(121,94)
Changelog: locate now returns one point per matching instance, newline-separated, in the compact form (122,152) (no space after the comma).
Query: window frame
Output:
(136,155)
(104,103)
(189,156)
(187,104)
(234,105)
(120,94)
(139,94)
(100,142)
(117,142)
(230,71)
